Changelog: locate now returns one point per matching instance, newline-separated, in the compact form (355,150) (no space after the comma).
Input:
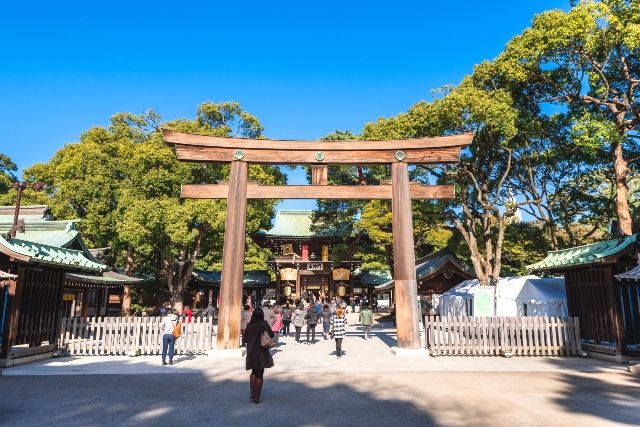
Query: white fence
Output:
(94,336)
(518,336)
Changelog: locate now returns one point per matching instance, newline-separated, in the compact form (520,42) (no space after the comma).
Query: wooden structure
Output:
(121,336)
(85,294)
(495,336)
(436,273)
(608,307)
(301,258)
(239,153)
(206,283)
(44,260)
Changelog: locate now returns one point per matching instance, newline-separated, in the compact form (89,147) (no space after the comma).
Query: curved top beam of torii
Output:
(200,148)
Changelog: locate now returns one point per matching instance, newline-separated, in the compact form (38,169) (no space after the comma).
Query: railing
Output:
(94,336)
(493,336)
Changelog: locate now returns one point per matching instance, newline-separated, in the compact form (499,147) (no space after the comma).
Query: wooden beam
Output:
(180,138)
(269,155)
(319,175)
(233,259)
(404,267)
(321,192)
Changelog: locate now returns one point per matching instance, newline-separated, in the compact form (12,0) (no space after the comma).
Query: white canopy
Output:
(515,296)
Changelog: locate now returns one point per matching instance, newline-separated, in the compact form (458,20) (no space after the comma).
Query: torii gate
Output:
(240,152)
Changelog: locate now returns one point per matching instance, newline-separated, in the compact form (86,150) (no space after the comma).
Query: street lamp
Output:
(20,187)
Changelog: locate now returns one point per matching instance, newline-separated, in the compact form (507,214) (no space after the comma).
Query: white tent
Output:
(515,296)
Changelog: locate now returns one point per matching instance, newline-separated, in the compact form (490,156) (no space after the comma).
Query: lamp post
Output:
(20,187)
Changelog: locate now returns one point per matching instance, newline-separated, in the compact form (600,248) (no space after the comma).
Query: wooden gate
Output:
(94,336)
(492,336)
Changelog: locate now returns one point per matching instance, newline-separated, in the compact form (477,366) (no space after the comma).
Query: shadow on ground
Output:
(190,399)
(588,394)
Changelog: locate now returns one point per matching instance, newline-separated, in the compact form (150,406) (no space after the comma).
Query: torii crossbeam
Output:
(241,152)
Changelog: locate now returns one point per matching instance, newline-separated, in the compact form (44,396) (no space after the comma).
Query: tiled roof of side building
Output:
(49,255)
(582,255)
(54,233)
(633,274)
(291,223)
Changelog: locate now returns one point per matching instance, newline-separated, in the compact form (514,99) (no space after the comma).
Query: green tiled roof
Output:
(581,255)
(292,223)
(251,277)
(54,233)
(51,255)
(107,278)
(374,277)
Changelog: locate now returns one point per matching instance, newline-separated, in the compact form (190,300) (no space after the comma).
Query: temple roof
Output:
(583,255)
(54,233)
(106,279)
(293,223)
(373,277)
(251,277)
(633,274)
(430,265)
(27,251)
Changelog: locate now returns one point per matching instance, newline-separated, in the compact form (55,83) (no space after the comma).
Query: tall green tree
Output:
(587,60)
(124,183)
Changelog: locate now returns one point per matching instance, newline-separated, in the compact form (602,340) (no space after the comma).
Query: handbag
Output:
(266,341)
(177,330)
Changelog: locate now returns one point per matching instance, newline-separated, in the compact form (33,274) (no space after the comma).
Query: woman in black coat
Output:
(258,357)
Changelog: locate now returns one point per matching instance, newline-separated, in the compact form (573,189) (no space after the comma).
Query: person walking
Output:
(245,318)
(326,320)
(167,325)
(339,329)
(333,306)
(366,318)
(287,314)
(278,325)
(269,314)
(258,357)
(298,321)
(312,321)
(353,304)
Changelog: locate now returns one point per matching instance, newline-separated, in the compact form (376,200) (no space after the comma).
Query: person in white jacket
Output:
(167,325)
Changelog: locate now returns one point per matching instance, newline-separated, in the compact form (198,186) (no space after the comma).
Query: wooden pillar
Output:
(233,259)
(404,265)
(319,175)
(211,296)
(278,286)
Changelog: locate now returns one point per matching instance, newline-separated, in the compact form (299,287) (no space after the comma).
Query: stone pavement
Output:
(311,387)
(373,355)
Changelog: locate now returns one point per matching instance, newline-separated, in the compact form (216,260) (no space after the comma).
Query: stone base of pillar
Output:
(410,352)
(227,353)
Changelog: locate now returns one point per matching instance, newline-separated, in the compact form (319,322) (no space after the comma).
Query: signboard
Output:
(341,274)
(305,252)
(314,266)
(484,301)
(288,274)
(325,253)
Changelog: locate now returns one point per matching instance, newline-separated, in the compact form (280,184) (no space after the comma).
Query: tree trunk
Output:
(126,297)
(621,171)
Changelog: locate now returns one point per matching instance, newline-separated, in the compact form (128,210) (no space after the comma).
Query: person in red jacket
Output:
(189,313)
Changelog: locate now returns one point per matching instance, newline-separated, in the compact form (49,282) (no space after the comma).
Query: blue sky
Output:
(304,68)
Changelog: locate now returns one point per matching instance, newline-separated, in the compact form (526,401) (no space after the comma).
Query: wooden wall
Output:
(34,308)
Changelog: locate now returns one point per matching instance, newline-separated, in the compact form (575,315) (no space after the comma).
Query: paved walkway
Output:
(311,387)
(372,355)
